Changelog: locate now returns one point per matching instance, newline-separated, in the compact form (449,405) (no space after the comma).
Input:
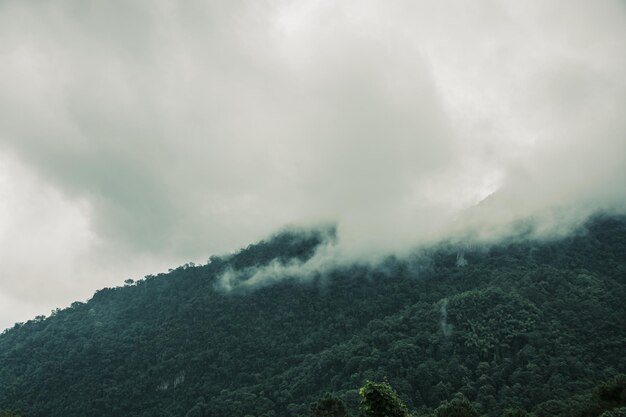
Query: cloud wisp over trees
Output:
(181,130)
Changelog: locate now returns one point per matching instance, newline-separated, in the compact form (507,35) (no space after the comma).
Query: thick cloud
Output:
(168,131)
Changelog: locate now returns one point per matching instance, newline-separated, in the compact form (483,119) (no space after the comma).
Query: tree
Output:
(514,412)
(328,406)
(457,407)
(616,412)
(380,400)
(613,392)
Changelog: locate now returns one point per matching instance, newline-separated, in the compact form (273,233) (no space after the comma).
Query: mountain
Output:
(516,324)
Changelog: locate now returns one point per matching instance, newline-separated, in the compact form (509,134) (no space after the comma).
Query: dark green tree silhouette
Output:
(616,412)
(613,392)
(328,406)
(457,407)
(514,412)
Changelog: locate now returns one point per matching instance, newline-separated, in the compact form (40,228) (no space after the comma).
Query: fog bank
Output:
(155,132)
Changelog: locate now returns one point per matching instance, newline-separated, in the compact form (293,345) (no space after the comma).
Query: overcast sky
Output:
(139,135)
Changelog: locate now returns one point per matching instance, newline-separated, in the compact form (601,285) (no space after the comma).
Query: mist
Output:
(154,133)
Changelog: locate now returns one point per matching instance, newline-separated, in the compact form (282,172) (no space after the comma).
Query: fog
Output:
(140,135)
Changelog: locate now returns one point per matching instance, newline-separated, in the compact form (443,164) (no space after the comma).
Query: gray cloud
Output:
(178,130)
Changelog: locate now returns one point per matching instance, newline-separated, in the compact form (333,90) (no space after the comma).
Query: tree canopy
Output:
(521,325)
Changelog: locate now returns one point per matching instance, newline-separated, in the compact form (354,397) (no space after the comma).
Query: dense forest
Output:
(512,328)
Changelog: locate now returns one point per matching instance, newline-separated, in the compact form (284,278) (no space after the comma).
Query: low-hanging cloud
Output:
(182,129)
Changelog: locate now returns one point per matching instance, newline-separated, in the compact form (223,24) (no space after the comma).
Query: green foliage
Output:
(380,400)
(328,406)
(616,412)
(529,324)
(613,392)
(605,397)
(514,412)
(457,407)
(492,320)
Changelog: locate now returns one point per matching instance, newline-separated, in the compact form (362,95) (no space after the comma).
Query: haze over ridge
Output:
(137,136)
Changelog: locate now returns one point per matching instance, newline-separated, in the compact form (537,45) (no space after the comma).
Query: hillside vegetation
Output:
(528,325)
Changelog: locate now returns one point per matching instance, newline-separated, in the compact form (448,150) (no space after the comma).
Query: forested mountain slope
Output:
(518,325)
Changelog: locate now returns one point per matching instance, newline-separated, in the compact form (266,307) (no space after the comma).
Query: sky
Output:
(136,136)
